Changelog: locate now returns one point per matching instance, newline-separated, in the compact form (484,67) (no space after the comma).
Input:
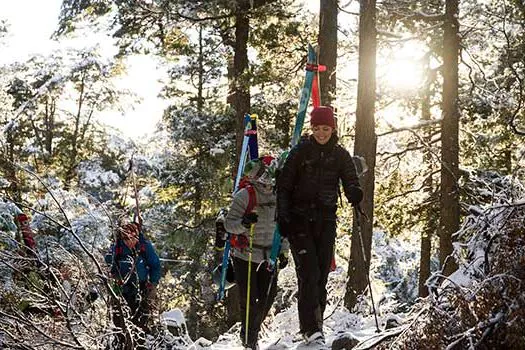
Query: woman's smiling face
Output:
(322,133)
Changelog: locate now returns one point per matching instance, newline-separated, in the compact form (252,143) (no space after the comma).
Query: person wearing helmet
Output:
(254,204)
(307,194)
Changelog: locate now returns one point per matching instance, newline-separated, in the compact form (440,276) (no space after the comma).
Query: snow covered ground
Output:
(280,330)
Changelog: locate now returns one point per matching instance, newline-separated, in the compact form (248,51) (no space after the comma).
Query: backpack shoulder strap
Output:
(252,199)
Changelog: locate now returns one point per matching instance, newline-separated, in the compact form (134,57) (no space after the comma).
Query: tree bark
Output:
(240,101)
(430,224)
(328,50)
(239,85)
(197,201)
(10,167)
(75,139)
(49,129)
(449,196)
(365,146)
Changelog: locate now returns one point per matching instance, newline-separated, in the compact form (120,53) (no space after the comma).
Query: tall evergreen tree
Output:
(449,194)
(328,50)
(365,146)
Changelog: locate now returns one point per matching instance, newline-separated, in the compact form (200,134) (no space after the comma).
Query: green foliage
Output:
(47,135)
(493,99)
(140,27)
(197,172)
(72,10)
(278,72)
(397,209)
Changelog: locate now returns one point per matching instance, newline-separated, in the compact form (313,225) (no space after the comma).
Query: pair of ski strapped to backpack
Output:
(310,88)
(249,148)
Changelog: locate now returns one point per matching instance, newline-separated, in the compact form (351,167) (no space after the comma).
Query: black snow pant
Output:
(260,300)
(140,308)
(137,301)
(312,245)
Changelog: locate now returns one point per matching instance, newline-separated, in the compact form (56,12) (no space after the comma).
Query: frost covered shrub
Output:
(91,230)
(482,304)
(99,182)
(43,297)
(47,304)
(397,266)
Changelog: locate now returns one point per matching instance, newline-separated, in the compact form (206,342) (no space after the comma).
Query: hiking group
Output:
(295,202)
(302,201)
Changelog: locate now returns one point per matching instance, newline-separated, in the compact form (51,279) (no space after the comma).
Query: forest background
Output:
(429,94)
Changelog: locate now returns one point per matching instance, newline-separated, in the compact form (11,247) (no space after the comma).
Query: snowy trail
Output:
(280,330)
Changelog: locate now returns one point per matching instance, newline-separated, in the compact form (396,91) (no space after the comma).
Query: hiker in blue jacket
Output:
(135,267)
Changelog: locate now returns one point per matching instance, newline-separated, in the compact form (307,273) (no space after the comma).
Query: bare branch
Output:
(411,128)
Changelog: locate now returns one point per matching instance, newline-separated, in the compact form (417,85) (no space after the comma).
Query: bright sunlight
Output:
(399,75)
(400,68)
(403,74)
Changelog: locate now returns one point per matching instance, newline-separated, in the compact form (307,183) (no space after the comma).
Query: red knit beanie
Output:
(22,217)
(322,115)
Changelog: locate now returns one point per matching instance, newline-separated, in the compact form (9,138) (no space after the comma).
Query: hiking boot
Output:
(251,347)
(251,344)
(314,338)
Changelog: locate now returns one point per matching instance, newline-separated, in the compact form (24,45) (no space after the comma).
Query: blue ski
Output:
(299,122)
(245,150)
(305,95)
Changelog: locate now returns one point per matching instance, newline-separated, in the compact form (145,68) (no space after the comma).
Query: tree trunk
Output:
(239,85)
(197,200)
(240,101)
(365,146)
(49,129)
(430,224)
(328,50)
(75,144)
(10,167)
(449,196)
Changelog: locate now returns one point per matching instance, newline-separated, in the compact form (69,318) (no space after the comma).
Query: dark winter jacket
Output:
(309,181)
(134,266)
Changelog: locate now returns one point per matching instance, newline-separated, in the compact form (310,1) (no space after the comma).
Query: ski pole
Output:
(247,319)
(357,215)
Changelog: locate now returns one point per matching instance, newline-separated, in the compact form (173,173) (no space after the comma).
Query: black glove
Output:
(354,195)
(284,226)
(283,261)
(249,219)
(220,236)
